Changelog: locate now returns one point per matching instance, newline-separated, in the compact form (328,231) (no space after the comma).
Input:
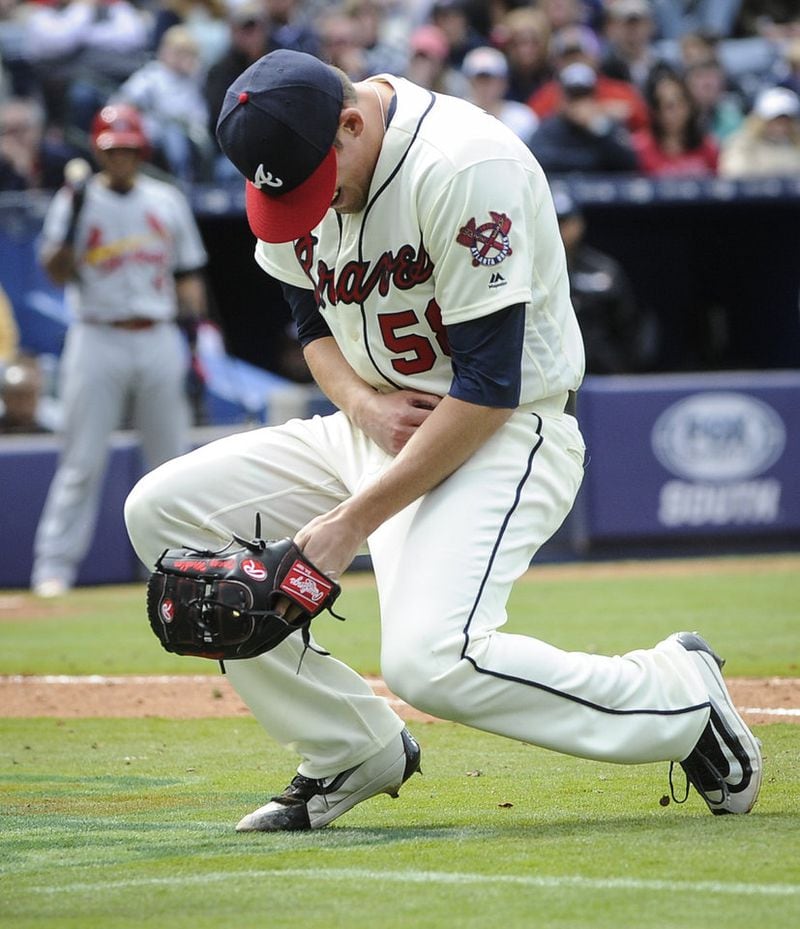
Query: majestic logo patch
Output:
(263,178)
(488,243)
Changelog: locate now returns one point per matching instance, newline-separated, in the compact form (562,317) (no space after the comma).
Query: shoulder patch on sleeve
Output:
(489,243)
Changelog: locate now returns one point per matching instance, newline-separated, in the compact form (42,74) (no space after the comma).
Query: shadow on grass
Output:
(339,836)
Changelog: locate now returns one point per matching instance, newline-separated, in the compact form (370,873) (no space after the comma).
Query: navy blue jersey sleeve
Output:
(305,313)
(486,355)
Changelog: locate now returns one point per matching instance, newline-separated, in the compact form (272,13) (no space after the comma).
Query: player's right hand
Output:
(391,419)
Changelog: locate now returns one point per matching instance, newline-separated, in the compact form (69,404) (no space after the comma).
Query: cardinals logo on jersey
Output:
(107,252)
(488,243)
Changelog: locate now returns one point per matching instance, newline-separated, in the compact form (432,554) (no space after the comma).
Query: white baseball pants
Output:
(444,569)
(103,369)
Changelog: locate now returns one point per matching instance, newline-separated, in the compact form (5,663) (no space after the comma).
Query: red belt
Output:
(133,324)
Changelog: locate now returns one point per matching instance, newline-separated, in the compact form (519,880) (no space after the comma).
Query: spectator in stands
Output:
(16,75)
(523,34)
(768,143)
(720,110)
(582,137)
(250,38)
(745,72)
(428,65)
(205,19)
(487,71)
(775,20)
(629,54)
(452,17)
(29,159)
(82,50)
(675,143)
(563,13)
(674,18)
(20,391)
(618,337)
(340,45)
(787,69)
(696,46)
(291,24)
(384,52)
(748,63)
(169,94)
(619,100)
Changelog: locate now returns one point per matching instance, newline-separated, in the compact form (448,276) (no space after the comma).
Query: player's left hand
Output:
(331,541)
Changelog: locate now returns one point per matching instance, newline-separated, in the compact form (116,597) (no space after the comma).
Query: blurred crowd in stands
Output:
(661,88)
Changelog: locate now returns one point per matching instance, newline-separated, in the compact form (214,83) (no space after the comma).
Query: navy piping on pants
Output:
(521,680)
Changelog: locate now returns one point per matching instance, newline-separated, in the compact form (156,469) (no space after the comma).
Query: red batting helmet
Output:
(118,125)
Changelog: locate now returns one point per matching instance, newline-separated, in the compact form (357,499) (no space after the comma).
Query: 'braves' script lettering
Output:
(356,281)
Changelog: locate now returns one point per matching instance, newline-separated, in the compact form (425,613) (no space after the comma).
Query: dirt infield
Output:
(185,697)
(761,700)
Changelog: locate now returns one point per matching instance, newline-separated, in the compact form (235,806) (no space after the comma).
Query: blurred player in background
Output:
(130,254)
(619,335)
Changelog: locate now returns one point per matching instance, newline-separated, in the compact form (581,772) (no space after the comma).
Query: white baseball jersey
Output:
(128,247)
(459,227)
(465,229)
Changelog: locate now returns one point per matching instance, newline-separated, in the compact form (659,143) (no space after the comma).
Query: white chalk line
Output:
(361,875)
(108,679)
(111,680)
(400,877)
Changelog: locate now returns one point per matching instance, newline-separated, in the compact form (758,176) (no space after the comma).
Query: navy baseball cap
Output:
(277,125)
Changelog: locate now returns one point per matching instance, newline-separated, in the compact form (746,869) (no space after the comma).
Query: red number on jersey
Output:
(419,354)
(434,316)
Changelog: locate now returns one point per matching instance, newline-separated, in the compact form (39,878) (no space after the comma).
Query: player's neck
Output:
(380,104)
(119,185)
(380,96)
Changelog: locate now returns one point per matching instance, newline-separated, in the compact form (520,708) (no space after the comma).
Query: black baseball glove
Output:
(222,604)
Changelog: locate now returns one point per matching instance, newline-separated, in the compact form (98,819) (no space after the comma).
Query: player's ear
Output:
(351,121)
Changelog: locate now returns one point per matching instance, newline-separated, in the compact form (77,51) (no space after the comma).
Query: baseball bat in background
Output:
(77,172)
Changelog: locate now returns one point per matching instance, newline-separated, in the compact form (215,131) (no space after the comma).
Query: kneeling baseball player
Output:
(418,246)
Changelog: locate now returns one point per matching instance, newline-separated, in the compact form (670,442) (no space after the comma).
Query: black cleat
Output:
(311,803)
(725,766)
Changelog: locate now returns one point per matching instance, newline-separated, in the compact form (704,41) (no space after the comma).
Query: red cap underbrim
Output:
(287,217)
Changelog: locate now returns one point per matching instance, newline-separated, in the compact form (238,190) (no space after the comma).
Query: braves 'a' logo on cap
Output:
(263,178)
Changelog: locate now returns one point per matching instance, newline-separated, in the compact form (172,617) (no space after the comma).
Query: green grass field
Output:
(129,822)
